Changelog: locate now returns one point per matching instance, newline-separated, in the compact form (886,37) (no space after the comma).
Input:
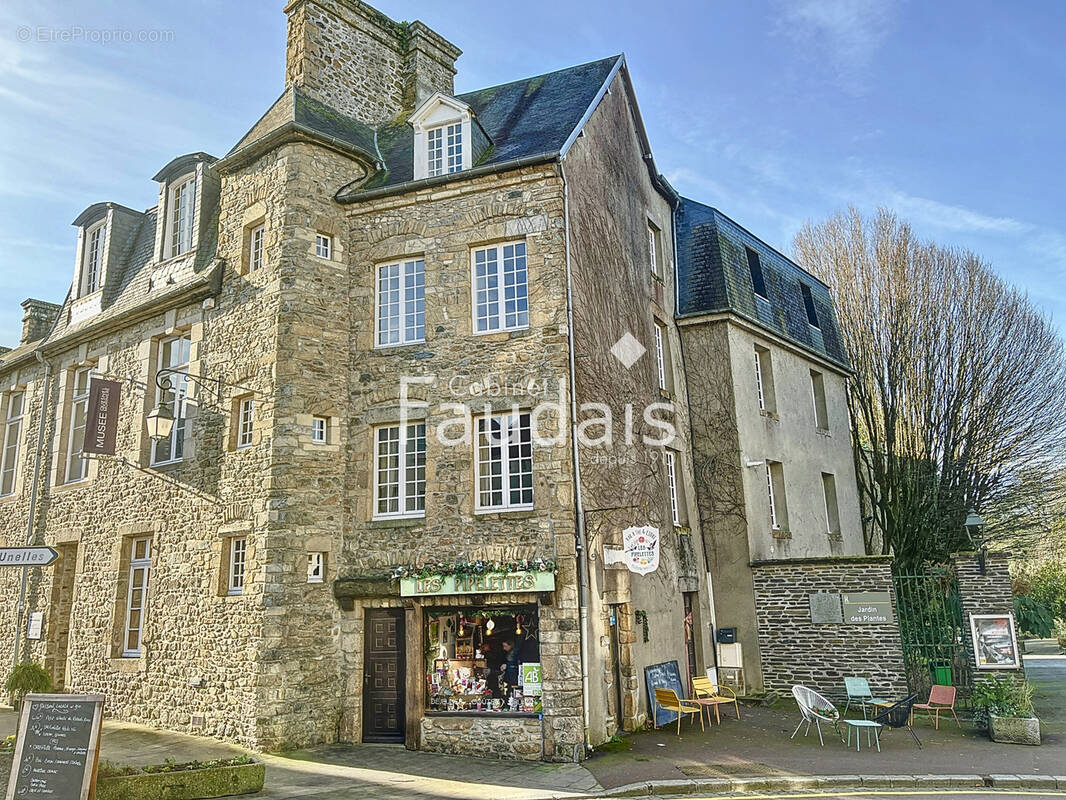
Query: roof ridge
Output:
(542,75)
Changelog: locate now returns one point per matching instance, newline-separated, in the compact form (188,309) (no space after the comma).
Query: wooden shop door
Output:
(383,676)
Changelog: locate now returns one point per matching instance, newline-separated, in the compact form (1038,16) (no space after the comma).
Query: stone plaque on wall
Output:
(868,608)
(825,608)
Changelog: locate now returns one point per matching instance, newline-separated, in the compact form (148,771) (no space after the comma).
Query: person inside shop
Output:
(509,667)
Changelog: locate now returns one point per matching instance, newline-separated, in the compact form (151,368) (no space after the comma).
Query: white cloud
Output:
(924,212)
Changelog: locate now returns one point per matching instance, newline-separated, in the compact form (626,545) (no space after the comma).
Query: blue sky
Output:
(775,111)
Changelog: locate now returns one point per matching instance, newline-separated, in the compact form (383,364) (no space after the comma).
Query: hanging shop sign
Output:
(485,583)
(867,608)
(640,546)
(102,419)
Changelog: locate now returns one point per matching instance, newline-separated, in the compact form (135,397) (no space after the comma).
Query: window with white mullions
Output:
(316,567)
(94,259)
(454,135)
(77,463)
(255,251)
(400,471)
(435,152)
(660,354)
(238,556)
(182,207)
(323,246)
(401,303)
(319,429)
(671,480)
(505,462)
(12,435)
(173,354)
(245,422)
(495,267)
(137,596)
(775,487)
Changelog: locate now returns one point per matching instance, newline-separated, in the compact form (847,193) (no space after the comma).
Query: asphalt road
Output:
(890,794)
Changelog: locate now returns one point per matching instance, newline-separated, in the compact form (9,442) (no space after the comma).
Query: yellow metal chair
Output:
(708,694)
(668,699)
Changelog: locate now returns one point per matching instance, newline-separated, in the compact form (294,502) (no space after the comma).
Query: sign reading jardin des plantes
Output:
(478,578)
(867,608)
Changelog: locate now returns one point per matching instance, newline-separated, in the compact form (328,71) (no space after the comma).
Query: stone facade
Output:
(984,586)
(797,650)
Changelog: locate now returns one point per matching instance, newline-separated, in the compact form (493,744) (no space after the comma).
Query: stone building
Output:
(775,471)
(394,375)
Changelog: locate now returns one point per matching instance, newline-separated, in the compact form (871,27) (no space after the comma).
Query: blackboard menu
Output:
(664,676)
(58,747)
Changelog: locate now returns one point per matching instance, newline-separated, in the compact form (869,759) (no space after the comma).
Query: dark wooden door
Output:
(383,676)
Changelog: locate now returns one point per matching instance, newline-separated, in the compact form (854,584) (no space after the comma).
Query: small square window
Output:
(319,429)
(324,246)
(316,567)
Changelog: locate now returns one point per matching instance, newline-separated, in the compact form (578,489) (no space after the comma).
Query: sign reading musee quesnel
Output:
(867,608)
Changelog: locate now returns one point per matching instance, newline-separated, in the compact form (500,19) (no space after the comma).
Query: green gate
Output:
(931,627)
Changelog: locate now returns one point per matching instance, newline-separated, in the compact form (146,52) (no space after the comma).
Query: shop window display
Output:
(483,660)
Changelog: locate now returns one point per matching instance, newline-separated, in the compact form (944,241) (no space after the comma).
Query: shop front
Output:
(479,656)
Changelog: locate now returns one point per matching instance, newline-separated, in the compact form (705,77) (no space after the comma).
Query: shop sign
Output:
(485,583)
(102,424)
(640,546)
(531,679)
(867,608)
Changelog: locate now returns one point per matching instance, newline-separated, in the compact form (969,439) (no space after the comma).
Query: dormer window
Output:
(182,210)
(94,259)
(445,149)
(448,137)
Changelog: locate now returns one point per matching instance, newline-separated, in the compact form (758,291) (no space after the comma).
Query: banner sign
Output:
(867,608)
(102,421)
(486,583)
(641,548)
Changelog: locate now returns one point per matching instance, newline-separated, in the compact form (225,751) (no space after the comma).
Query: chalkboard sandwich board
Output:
(664,676)
(58,747)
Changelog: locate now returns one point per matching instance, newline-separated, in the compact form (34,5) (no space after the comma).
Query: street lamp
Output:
(974,525)
(161,418)
(160,421)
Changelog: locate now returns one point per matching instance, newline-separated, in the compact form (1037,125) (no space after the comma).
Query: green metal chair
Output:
(858,690)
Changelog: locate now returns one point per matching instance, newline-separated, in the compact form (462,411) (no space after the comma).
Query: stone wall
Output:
(795,650)
(986,591)
(484,737)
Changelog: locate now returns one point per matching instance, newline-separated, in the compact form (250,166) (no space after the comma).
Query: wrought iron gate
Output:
(931,627)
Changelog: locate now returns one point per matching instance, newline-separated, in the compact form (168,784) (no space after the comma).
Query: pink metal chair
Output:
(941,698)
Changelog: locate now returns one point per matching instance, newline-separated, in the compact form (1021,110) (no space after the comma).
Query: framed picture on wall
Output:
(994,642)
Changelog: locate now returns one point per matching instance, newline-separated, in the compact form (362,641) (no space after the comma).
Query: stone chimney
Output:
(354,58)
(37,319)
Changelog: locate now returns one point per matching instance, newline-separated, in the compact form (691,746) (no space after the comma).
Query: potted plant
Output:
(28,677)
(1005,707)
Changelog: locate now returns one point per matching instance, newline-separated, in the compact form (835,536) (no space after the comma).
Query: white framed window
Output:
(401,312)
(323,245)
(764,380)
(255,247)
(182,211)
(245,422)
(319,430)
(316,567)
(504,456)
(775,487)
(660,354)
(77,467)
(444,149)
(655,256)
(238,558)
(671,480)
(173,354)
(501,292)
(400,471)
(137,596)
(94,258)
(9,457)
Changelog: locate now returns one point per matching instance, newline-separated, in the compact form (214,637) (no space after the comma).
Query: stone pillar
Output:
(984,591)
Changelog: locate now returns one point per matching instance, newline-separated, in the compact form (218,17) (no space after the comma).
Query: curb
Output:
(793,783)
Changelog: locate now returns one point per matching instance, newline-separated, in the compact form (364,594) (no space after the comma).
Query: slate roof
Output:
(714,277)
(524,118)
(296,108)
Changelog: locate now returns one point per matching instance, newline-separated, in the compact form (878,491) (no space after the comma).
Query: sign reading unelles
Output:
(867,608)
(27,556)
(486,583)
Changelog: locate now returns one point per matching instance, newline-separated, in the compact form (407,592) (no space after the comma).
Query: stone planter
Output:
(190,784)
(1015,730)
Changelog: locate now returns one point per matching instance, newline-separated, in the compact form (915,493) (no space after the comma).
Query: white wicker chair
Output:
(814,708)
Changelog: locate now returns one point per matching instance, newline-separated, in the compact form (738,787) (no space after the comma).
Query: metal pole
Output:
(34,488)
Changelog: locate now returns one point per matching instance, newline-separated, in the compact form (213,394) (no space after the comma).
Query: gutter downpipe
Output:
(35,487)
(582,557)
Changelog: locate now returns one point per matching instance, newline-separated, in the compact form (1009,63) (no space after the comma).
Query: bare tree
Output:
(959,393)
